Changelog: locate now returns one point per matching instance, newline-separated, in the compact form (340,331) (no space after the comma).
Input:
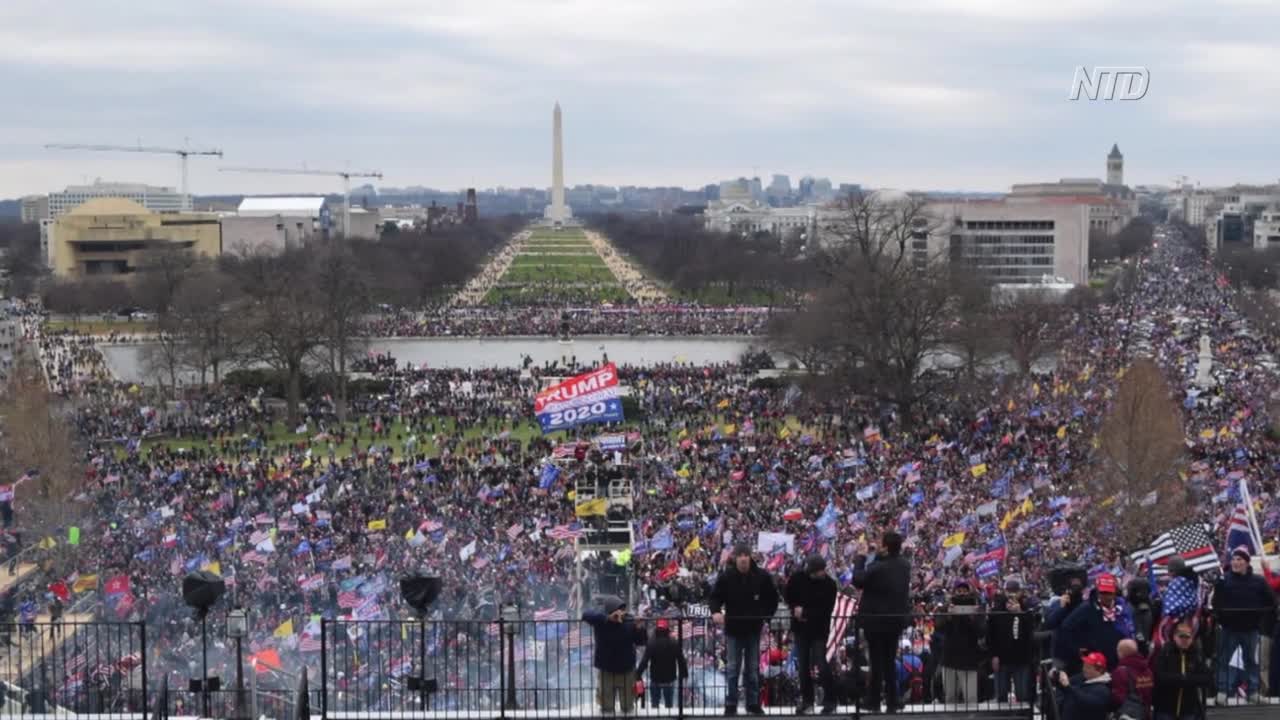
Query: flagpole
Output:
(1252,521)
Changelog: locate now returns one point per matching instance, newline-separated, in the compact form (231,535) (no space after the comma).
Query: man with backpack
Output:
(1132,684)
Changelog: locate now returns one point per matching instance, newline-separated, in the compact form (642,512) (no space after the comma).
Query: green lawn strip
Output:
(538,260)
(558,273)
(99,327)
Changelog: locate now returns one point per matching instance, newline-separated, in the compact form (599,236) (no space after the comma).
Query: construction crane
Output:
(182,152)
(346,176)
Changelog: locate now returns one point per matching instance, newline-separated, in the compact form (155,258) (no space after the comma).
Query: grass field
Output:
(559,273)
(591,260)
(552,267)
(719,295)
(98,327)
(280,437)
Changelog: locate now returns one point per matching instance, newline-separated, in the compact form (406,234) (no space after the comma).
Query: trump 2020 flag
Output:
(591,397)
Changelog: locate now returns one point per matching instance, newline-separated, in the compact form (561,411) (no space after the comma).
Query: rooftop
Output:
(109,206)
(304,205)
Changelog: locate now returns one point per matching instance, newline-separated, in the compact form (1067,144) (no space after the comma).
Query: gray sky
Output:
(934,94)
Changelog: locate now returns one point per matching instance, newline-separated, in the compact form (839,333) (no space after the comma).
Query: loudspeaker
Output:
(201,590)
(420,591)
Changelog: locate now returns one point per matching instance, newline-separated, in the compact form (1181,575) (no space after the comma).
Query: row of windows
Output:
(995,262)
(1007,251)
(1008,224)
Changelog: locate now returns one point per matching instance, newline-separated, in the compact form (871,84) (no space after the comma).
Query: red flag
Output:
(668,572)
(60,590)
(118,584)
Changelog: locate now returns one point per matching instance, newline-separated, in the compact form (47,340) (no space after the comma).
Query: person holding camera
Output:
(743,598)
(616,636)
(1065,655)
(1086,696)
(1011,638)
(963,630)
(811,595)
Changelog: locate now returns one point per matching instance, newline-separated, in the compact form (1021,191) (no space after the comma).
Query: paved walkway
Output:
(644,290)
(7,581)
(28,649)
(477,287)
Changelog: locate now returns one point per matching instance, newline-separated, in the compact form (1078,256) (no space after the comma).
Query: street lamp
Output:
(237,629)
(511,621)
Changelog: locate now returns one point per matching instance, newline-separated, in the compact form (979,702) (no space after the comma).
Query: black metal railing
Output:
(545,667)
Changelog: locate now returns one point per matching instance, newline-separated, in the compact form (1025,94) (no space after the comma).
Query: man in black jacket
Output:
(743,598)
(963,630)
(1182,677)
(882,614)
(1242,601)
(663,656)
(1010,637)
(811,595)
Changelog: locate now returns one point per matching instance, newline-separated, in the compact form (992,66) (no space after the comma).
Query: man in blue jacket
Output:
(1241,601)
(1101,623)
(616,638)
(1086,696)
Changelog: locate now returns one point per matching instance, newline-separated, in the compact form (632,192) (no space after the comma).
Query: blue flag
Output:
(550,473)
(663,540)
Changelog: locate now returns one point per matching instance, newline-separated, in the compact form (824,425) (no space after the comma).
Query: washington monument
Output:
(557,213)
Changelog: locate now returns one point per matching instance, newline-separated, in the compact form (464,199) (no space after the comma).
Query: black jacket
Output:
(1181,680)
(1243,603)
(746,599)
(1011,635)
(1086,700)
(886,598)
(816,597)
(615,642)
(663,656)
(960,635)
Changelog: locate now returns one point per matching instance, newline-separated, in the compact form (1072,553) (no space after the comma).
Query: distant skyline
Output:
(919,94)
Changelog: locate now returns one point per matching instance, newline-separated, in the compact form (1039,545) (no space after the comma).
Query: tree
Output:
(163,271)
(284,317)
(207,314)
(972,333)
(38,445)
(886,307)
(1032,325)
(1141,443)
(343,290)
(163,357)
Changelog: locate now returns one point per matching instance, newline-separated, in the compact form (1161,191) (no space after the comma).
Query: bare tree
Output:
(1032,325)
(165,354)
(38,445)
(885,302)
(284,318)
(207,310)
(972,331)
(343,291)
(163,271)
(1141,441)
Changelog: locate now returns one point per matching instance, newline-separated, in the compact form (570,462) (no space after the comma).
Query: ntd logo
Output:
(1110,82)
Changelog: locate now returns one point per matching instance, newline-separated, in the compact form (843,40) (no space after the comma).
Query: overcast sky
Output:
(927,94)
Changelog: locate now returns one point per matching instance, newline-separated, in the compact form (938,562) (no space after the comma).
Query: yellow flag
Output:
(84,583)
(694,546)
(730,429)
(683,472)
(306,463)
(408,534)
(1108,502)
(1035,389)
(214,567)
(47,543)
(1120,373)
(571,494)
(1223,432)
(377,524)
(786,433)
(684,433)
(1026,507)
(592,507)
(723,404)
(284,630)
(1008,519)
(953,540)
(933,439)
(1062,432)
(1207,434)
(1011,406)
(979,470)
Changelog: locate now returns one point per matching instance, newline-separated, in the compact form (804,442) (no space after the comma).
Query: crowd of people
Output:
(983,489)
(663,320)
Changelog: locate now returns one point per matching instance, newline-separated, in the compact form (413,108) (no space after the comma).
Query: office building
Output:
(34,208)
(1112,205)
(1010,242)
(1266,229)
(113,236)
(155,199)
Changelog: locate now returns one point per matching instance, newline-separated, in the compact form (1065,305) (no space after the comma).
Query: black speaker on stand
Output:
(420,593)
(200,590)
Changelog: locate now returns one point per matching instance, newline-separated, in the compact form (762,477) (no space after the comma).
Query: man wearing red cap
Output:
(1086,696)
(1101,623)
(663,657)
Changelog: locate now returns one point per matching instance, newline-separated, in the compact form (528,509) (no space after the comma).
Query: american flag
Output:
(563,452)
(349,599)
(564,532)
(430,526)
(577,639)
(309,643)
(550,615)
(846,606)
(1191,541)
(514,531)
